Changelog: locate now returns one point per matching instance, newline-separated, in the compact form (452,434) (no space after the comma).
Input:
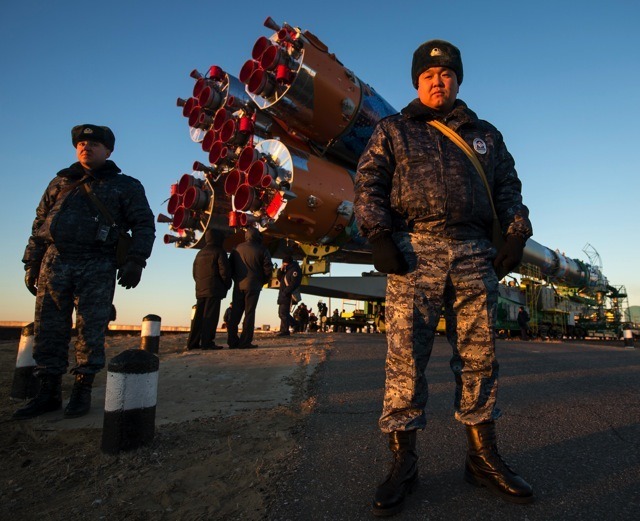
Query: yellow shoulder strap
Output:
(462,144)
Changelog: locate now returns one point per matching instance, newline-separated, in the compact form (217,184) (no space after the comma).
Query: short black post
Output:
(150,334)
(130,402)
(25,384)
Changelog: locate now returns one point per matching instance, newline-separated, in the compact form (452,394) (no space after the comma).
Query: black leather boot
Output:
(403,476)
(80,401)
(49,398)
(485,468)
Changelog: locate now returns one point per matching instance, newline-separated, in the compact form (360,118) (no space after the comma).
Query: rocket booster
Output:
(281,142)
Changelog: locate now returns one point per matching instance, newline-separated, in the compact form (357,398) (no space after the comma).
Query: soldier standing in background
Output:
(422,204)
(290,276)
(251,268)
(212,275)
(523,322)
(71,258)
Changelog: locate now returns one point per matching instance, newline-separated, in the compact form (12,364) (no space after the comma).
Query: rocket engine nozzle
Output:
(172,239)
(175,201)
(258,170)
(210,98)
(199,167)
(187,181)
(232,182)
(216,73)
(184,218)
(246,198)
(188,106)
(262,83)
(195,198)
(248,155)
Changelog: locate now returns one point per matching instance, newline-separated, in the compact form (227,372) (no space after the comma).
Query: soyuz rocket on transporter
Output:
(282,141)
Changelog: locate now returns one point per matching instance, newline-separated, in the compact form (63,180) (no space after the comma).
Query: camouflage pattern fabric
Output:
(86,283)
(77,263)
(456,274)
(411,172)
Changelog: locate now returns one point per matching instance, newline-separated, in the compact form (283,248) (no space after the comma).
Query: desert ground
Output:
(226,428)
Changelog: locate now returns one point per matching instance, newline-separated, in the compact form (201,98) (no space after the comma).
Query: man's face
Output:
(438,88)
(92,154)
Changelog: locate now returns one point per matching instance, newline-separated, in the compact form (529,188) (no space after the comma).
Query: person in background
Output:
(251,268)
(523,322)
(212,275)
(290,276)
(422,203)
(335,318)
(70,261)
(313,322)
(322,315)
(227,316)
(303,317)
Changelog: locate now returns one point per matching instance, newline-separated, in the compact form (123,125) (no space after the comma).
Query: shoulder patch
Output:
(479,146)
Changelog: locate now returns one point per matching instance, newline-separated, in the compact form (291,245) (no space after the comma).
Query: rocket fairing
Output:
(282,142)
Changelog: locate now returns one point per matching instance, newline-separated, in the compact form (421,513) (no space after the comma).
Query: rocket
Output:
(280,145)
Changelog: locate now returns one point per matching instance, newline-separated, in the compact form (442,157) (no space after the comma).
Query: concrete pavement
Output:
(571,427)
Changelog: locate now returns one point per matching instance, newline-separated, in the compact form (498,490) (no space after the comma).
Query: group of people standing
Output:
(248,267)
(429,188)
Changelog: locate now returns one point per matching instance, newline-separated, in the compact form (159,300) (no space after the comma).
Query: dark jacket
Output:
(211,269)
(290,278)
(523,318)
(411,172)
(67,218)
(251,262)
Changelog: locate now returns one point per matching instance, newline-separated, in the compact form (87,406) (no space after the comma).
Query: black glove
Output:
(509,256)
(387,257)
(129,275)
(31,279)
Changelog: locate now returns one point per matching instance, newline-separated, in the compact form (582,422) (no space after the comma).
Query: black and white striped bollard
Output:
(150,334)
(130,401)
(628,338)
(25,384)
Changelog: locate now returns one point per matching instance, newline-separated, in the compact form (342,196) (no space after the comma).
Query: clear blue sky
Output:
(560,79)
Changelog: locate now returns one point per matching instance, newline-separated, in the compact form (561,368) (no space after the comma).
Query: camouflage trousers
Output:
(87,285)
(459,276)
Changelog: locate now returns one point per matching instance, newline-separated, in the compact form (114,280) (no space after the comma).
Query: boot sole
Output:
(392,511)
(30,416)
(483,483)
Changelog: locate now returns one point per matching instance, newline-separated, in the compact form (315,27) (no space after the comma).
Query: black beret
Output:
(87,132)
(436,53)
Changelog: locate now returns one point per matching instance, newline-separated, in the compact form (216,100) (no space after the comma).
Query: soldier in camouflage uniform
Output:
(70,261)
(427,215)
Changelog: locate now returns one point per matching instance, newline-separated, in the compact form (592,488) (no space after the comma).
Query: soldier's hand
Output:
(387,257)
(509,256)
(129,275)
(31,279)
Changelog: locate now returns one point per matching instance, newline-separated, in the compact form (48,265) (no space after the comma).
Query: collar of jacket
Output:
(457,116)
(292,265)
(75,171)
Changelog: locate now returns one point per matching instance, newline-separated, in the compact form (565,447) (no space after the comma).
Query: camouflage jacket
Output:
(67,218)
(412,173)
